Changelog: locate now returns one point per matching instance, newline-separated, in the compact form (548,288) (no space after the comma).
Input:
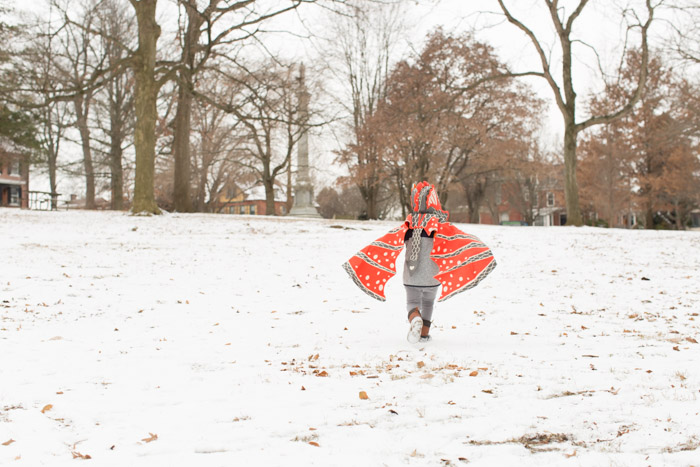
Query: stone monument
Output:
(303,190)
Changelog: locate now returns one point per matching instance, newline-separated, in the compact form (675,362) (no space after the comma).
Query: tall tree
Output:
(114,102)
(443,121)
(147,85)
(564,91)
(363,40)
(77,58)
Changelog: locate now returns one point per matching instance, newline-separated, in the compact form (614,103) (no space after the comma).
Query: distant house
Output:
(233,200)
(14,176)
(510,205)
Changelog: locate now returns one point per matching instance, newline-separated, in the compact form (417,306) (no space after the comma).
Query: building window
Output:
(230,193)
(284,210)
(14,196)
(550,199)
(231,210)
(244,209)
(252,210)
(504,217)
(14,168)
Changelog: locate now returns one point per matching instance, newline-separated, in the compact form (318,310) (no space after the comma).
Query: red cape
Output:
(462,259)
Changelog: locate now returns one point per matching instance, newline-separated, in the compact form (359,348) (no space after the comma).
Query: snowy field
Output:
(203,340)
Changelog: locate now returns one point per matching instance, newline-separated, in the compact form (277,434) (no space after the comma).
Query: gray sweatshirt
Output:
(420,273)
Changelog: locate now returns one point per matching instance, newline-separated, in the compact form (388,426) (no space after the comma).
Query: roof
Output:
(257,193)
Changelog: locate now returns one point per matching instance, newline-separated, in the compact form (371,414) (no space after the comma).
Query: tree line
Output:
(198,109)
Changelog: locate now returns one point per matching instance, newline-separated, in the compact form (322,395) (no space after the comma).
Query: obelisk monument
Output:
(303,190)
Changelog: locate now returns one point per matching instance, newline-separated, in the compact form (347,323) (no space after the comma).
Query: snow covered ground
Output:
(204,340)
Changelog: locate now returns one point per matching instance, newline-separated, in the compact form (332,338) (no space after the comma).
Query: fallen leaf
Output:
(483,368)
(676,348)
(303,388)
(59,392)
(323,373)
(153,437)
(454,327)
(487,391)
(691,340)
(46,408)
(420,364)
(427,376)
(570,455)
(512,333)
(312,428)
(393,411)
(8,442)
(314,443)
(77,455)
(363,395)
(474,373)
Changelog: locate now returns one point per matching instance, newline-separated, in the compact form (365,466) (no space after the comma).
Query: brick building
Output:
(14,177)
(233,200)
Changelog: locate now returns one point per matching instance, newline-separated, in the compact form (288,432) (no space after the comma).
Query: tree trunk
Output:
(573,210)
(181,147)
(81,108)
(269,197)
(145,95)
(183,120)
(117,173)
(52,178)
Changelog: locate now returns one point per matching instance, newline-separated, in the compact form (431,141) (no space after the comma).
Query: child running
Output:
(439,258)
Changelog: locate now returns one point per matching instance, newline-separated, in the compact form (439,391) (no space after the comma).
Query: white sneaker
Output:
(414,330)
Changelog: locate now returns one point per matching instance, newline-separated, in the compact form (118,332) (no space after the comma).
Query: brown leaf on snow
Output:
(153,437)
(363,395)
(420,364)
(77,455)
(570,455)
(427,376)
(46,408)
(691,340)
(487,391)
(303,388)
(323,373)
(8,442)
(513,333)
(314,443)
(483,368)
(474,373)
(676,348)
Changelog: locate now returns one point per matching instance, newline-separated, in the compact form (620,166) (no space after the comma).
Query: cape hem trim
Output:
(359,283)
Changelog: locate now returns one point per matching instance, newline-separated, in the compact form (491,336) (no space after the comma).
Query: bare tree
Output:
(77,57)
(114,102)
(364,38)
(563,90)
(269,108)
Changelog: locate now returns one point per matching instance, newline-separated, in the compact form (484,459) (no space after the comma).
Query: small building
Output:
(233,200)
(695,219)
(548,207)
(14,176)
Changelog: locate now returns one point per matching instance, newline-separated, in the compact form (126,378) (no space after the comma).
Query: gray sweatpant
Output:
(421,298)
